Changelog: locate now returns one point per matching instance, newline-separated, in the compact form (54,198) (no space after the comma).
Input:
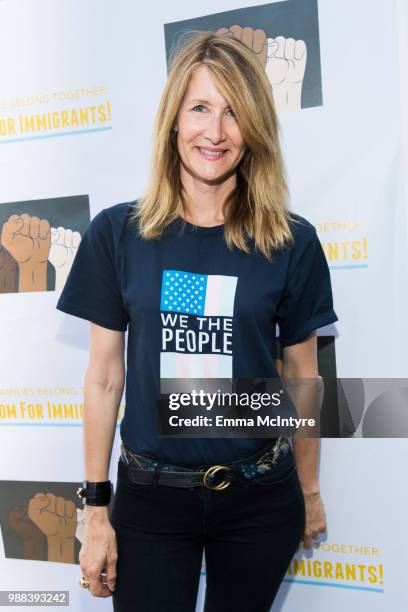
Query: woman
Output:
(202,268)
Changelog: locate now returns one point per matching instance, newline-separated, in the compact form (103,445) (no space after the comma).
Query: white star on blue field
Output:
(183,292)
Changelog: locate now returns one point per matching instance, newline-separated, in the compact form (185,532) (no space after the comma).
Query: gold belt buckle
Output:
(210,472)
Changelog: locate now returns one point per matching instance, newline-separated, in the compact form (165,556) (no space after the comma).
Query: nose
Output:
(215,129)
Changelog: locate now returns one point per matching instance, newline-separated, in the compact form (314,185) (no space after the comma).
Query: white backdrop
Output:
(345,163)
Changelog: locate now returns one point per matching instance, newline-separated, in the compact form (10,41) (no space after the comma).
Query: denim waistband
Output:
(256,463)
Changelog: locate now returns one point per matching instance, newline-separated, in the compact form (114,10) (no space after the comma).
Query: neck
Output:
(205,201)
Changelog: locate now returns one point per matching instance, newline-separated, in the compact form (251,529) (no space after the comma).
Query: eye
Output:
(200,107)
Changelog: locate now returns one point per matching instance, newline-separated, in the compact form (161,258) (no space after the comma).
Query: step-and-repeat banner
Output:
(79,89)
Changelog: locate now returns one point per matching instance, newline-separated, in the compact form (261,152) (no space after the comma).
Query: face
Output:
(209,140)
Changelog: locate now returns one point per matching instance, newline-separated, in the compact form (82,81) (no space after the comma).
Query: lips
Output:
(211,154)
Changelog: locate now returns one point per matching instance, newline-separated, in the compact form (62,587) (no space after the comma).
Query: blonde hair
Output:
(258,205)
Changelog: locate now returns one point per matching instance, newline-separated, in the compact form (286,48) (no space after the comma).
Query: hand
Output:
(285,69)
(254,39)
(27,239)
(315,520)
(57,519)
(63,248)
(98,555)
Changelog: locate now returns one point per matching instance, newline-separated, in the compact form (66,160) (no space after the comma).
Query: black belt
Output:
(145,470)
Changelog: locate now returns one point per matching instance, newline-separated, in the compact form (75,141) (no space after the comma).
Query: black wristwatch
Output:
(95,493)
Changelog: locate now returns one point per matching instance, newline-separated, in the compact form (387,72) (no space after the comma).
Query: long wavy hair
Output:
(258,206)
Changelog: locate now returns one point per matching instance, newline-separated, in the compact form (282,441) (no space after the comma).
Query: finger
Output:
(281,46)
(300,49)
(109,585)
(70,508)
(259,40)
(51,502)
(111,582)
(111,568)
(307,542)
(307,538)
(76,239)
(236,30)
(104,590)
(26,224)
(260,45)
(68,238)
(60,506)
(34,226)
(43,228)
(222,31)
(111,576)
(96,588)
(247,36)
(290,49)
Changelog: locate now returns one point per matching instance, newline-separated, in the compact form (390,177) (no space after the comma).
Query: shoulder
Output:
(302,228)
(304,233)
(113,220)
(118,214)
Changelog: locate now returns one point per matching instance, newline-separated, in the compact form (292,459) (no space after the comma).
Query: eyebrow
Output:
(202,101)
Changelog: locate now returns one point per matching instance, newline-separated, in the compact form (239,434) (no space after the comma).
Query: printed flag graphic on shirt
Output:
(198,345)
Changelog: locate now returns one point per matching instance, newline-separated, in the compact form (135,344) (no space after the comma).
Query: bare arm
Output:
(299,362)
(104,383)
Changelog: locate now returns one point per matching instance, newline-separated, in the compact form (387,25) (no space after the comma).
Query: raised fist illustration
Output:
(57,519)
(53,515)
(254,39)
(27,239)
(285,69)
(64,245)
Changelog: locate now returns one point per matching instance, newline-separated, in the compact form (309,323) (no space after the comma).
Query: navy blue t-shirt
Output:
(194,309)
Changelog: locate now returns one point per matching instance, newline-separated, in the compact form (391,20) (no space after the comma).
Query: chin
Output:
(205,174)
(213,178)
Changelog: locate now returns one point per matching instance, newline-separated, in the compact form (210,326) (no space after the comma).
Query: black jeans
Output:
(249,532)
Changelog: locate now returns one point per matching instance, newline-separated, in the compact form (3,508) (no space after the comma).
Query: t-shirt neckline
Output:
(199,230)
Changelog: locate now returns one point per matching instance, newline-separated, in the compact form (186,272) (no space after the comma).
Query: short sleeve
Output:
(307,301)
(91,290)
